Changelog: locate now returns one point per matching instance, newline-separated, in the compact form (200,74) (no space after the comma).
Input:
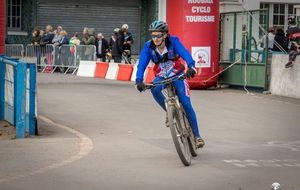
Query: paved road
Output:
(105,135)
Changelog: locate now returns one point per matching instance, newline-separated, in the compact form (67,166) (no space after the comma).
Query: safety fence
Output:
(51,58)
(18,95)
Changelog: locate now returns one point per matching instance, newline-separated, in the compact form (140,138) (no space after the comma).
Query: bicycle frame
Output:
(181,130)
(171,99)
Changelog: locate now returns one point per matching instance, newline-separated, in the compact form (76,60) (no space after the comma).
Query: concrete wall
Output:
(285,82)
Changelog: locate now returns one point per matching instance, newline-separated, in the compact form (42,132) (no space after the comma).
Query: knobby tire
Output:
(180,142)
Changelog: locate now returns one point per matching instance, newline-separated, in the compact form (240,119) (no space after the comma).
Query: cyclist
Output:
(165,50)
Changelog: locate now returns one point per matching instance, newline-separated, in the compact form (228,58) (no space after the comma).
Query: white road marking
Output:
(264,163)
(85,145)
(292,145)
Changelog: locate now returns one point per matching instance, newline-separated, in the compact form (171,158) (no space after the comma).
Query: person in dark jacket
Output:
(115,45)
(127,39)
(281,41)
(36,37)
(48,36)
(63,51)
(101,47)
(46,50)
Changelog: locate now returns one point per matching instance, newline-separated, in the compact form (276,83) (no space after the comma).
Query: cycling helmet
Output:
(125,26)
(159,26)
(116,30)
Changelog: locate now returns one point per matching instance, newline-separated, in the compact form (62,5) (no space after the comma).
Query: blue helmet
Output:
(159,26)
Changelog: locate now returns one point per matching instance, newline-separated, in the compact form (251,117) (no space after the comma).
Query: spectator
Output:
(63,38)
(101,47)
(127,39)
(88,36)
(36,37)
(63,51)
(47,39)
(281,41)
(89,40)
(293,33)
(48,35)
(55,41)
(57,36)
(294,51)
(116,46)
(74,43)
(270,35)
(36,40)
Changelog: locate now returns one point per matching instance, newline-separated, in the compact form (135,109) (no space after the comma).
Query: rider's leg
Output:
(182,91)
(157,94)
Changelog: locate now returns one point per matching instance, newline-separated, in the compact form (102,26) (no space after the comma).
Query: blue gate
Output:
(18,95)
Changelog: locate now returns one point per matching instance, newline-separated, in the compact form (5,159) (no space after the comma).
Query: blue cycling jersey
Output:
(174,46)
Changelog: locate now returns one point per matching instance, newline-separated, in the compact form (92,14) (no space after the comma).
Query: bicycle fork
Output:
(172,100)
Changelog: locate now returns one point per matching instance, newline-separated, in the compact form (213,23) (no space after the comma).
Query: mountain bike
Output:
(180,128)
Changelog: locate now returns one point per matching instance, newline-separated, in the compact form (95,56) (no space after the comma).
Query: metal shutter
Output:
(104,17)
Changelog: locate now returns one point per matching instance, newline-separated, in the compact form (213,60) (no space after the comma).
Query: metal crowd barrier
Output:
(17,95)
(14,50)
(65,58)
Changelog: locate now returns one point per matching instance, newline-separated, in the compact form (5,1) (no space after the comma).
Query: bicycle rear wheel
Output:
(178,136)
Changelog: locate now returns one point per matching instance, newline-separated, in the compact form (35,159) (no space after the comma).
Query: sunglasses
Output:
(157,35)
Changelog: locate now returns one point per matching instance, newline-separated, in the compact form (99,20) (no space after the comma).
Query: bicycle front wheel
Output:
(178,136)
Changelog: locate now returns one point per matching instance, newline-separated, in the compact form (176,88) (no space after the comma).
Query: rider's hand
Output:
(190,73)
(140,86)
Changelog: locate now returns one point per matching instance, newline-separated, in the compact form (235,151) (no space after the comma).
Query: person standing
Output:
(270,36)
(127,40)
(281,40)
(115,45)
(101,47)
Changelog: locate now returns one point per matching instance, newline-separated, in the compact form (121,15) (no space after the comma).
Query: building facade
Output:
(279,10)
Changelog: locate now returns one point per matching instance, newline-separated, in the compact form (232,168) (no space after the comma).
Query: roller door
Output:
(104,17)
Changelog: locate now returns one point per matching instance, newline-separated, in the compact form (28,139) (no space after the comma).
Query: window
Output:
(263,18)
(278,14)
(291,10)
(14,14)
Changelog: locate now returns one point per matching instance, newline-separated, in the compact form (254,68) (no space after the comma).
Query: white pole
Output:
(162,10)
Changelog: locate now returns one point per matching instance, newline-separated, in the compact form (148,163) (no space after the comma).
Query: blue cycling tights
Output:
(182,91)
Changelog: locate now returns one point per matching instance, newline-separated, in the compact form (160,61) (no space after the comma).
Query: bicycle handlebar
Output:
(166,81)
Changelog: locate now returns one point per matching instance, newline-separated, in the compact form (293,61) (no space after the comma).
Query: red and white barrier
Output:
(86,69)
(112,71)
